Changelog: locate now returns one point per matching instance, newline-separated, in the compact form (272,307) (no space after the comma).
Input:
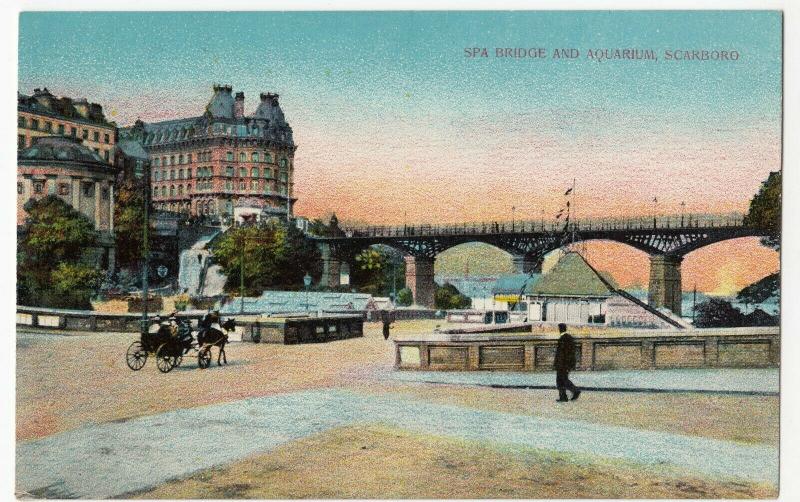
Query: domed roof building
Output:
(65,167)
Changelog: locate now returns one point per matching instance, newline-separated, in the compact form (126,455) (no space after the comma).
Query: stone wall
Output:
(700,348)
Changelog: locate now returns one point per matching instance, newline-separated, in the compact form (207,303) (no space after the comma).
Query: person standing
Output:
(387,319)
(563,363)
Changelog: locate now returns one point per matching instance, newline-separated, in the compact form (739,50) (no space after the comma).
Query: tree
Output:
(272,255)
(718,313)
(377,269)
(449,297)
(762,290)
(405,297)
(129,223)
(765,210)
(53,243)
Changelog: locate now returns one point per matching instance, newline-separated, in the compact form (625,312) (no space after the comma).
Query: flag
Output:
(569,191)
(559,214)
(567,204)
(655,199)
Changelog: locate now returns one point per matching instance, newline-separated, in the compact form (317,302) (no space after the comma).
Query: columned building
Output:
(210,164)
(64,167)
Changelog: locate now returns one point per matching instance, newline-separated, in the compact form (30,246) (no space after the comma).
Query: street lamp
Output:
(307,283)
(145,245)
(683,209)
(513,209)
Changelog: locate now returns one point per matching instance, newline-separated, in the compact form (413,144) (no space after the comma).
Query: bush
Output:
(405,297)
(449,297)
(718,313)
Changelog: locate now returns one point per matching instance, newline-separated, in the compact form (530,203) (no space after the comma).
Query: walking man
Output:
(563,363)
(387,319)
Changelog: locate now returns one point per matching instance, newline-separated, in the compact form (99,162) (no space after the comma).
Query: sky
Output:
(394,123)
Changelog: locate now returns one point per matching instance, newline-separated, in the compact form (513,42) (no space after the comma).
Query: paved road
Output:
(762,381)
(111,459)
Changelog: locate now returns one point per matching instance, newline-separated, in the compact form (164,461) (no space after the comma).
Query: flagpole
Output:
(574,219)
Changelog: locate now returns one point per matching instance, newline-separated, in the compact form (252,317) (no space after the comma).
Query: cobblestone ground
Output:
(67,385)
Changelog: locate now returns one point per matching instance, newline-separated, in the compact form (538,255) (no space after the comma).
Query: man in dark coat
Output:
(387,319)
(563,363)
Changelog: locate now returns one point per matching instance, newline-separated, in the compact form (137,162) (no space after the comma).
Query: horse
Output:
(212,336)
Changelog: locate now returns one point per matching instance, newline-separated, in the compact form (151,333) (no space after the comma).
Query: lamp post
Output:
(241,276)
(145,246)
(307,283)
(683,209)
(513,218)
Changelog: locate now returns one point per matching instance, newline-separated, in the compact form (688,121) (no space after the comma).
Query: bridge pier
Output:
(665,282)
(331,267)
(419,279)
(524,264)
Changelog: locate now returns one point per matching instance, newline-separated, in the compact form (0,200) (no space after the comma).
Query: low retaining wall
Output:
(700,348)
(287,330)
(485,316)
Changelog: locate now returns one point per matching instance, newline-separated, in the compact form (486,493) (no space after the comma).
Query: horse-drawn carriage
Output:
(170,341)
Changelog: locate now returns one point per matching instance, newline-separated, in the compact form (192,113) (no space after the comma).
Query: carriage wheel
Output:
(164,359)
(136,356)
(204,358)
(178,360)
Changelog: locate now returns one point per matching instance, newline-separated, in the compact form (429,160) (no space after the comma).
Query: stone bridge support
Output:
(665,282)
(331,267)
(419,279)
(524,264)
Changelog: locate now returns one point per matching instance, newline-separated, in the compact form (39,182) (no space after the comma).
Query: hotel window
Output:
(85,134)
(158,175)
(48,126)
(229,156)
(20,141)
(172,174)
(189,173)
(61,129)
(283,162)
(96,136)
(21,122)
(20,188)
(172,160)
(242,157)
(283,177)
(35,124)
(73,131)
(164,175)
(105,154)
(254,172)
(106,138)
(242,185)
(63,189)
(180,159)
(189,158)
(164,161)
(267,158)
(88,189)
(172,189)
(156,162)
(254,185)
(180,189)
(180,174)
(164,190)
(268,173)
(255,156)
(189,188)
(228,185)
(105,193)
(38,187)
(242,172)
(229,172)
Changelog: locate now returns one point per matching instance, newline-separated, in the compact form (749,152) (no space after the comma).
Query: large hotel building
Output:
(223,159)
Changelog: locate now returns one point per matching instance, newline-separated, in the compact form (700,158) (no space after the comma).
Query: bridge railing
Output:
(686,221)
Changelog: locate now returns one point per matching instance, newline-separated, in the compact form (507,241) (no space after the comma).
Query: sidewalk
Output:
(763,382)
(115,458)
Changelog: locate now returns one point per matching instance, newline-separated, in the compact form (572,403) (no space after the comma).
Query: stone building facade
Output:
(210,164)
(43,114)
(63,166)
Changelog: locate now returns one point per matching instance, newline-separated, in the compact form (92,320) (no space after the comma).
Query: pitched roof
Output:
(573,276)
(512,284)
